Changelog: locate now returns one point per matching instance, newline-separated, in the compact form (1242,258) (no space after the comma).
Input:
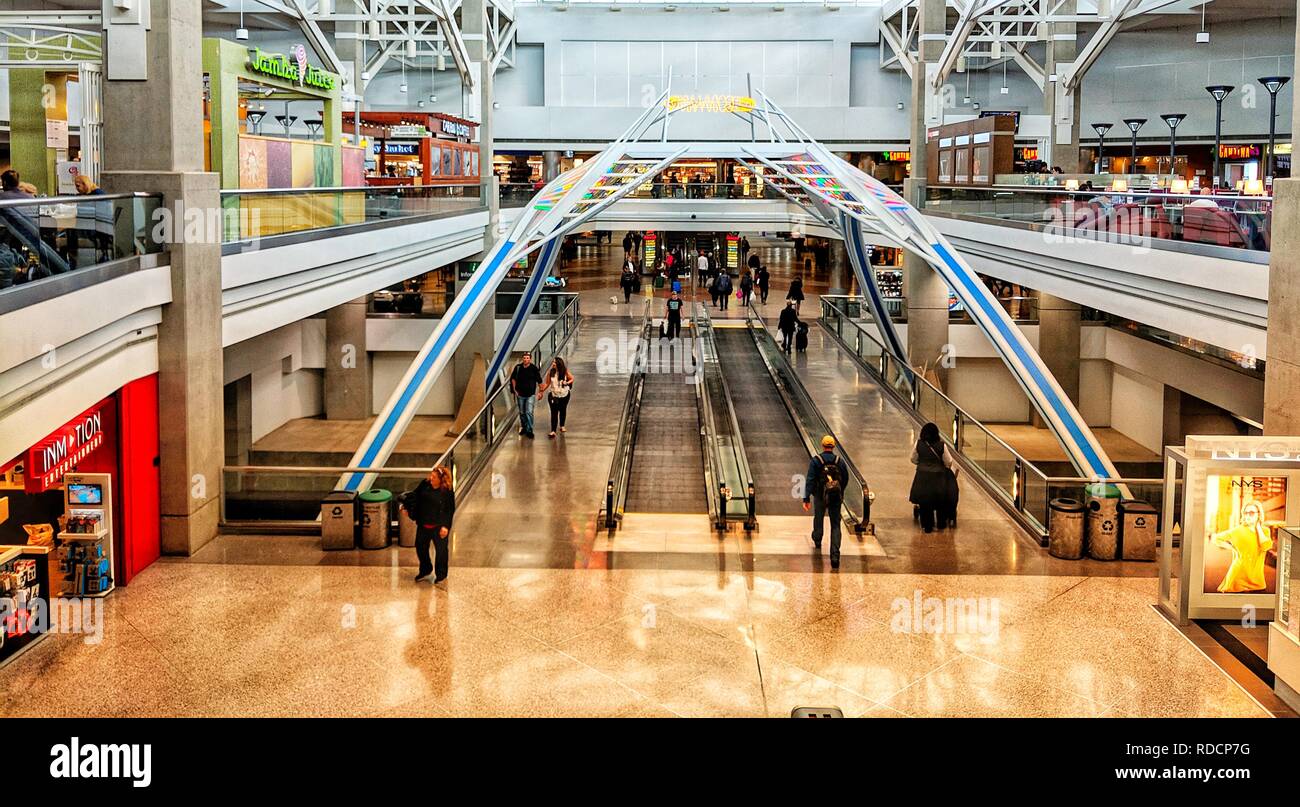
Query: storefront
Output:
(417,148)
(273,120)
(90,492)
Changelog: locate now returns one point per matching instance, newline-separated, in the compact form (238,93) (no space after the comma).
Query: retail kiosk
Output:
(1226,500)
(418,148)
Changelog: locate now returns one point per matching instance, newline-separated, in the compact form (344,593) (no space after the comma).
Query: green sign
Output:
(296,70)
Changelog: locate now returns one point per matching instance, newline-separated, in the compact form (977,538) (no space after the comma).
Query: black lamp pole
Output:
(1272,84)
(1101,129)
(1172,120)
(1219,91)
(1133,125)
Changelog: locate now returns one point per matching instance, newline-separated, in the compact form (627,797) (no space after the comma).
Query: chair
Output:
(1212,225)
(1141,221)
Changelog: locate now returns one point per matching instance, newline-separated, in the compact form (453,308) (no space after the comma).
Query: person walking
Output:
(524,380)
(673,314)
(702,266)
(712,284)
(628,281)
(824,487)
(432,506)
(744,249)
(558,385)
(934,488)
(795,294)
(787,324)
(627,246)
(724,288)
(764,283)
(746,287)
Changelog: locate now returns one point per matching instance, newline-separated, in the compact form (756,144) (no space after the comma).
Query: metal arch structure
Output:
(833,192)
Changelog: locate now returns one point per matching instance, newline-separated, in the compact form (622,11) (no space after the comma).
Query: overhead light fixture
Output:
(241,34)
(615,7)
(365,75)
(961,64)
(402,87)
(670,8)
(433,99)
(975,106)
(411,48)
(496,104)
(420,104)
(996,50)
(1203,35)
(562,7)
(965,99)
(1004,90)
(373,27)
(1052,78)
(899,105)
(442,61)
(724,8)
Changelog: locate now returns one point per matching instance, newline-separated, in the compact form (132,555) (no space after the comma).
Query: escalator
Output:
(773,444)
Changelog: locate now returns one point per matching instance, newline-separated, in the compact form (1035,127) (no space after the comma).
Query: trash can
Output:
(1065,536)
(338,520)
(406,525)
(374,518)
(1137,530)
(1103,522)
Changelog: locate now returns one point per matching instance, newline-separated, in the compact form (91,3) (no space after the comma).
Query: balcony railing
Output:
(1139,218)
(47,237)
(262,213)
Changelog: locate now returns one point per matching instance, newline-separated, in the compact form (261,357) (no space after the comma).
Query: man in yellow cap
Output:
(824,487)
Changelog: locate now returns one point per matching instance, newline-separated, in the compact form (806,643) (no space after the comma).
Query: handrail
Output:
(703,325)
(629,422)
(398,189)
(1061,190)
(484,419)
(77,199)
(1014,498)
(859,521)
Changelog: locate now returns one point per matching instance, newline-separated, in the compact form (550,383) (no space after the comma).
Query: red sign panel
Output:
(1238,152)
(56,455)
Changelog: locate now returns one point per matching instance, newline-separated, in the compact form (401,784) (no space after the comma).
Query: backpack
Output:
(830,479)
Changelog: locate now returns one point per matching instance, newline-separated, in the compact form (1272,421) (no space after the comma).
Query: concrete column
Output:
(1063,143)
(927,294)
(347,363)
(473,27)
(1171,433)
(166,112)
(1058,344)
(1282,369)
(550,165)
(840,272)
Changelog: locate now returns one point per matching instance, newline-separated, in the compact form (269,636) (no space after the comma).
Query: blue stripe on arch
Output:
(475,290)
(1045,391)
(520,317)
(853,236)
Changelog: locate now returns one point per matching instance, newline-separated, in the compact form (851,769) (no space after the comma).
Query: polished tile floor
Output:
(191,638)
(543,617)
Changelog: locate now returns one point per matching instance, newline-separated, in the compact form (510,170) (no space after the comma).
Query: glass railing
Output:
(44,237)
(269,496)
(1138,218)
(517,194)
(620,468)
(261,213)
(388,304)
(724,450)
(1021,309)
(1021,487)
(808,417)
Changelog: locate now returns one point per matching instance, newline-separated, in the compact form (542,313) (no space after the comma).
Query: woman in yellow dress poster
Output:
(1249,543)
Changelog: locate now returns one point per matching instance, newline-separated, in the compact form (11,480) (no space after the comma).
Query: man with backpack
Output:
(824,486)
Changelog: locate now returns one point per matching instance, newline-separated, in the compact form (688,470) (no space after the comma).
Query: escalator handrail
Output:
(704,325)
(755,325)
(625,442)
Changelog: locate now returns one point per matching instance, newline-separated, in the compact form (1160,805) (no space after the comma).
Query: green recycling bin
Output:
(374,518)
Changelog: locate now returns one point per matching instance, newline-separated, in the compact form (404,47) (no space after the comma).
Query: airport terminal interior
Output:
(637,358)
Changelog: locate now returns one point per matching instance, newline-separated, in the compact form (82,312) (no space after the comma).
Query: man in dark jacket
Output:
(824,486)
(787,324)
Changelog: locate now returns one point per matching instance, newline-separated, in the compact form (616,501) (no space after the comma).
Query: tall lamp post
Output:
(1172,120)
(1101,129)
(1272,84)
(1219,91)
(1133,125)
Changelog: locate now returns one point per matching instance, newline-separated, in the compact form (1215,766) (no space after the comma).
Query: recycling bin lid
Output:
(339,496)
(1066,505)
(1102,490)
(1136,506)
(376,495)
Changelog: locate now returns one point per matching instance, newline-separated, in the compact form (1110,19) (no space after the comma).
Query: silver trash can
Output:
(406,525)
(1065,536)
(1103,522)
(338,520)
(374,518)
(1137,530)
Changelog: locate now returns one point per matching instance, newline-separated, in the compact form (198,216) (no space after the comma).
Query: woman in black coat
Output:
(934,488)
(795,295)
(432,505)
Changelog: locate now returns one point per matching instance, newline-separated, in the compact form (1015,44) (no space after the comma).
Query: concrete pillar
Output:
(926,292)
(166,112)
(1171,432)
(473,27)
(840,271)
(1282,369)
(1064,110)
(1058,344)
(550,165)
(347,363)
